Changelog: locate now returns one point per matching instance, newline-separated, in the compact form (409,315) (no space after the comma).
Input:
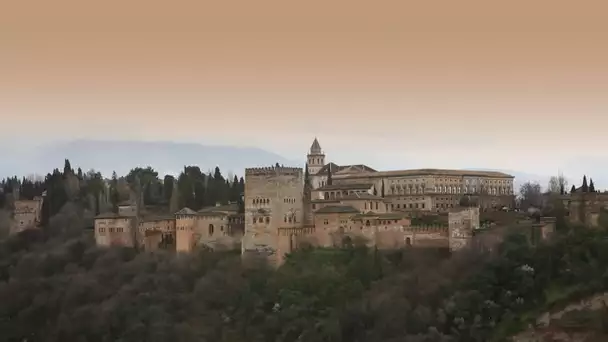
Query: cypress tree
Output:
(591,186)
(329,180)
(573,189)
(585,187)
(382,189)
(306,175)
(67,168)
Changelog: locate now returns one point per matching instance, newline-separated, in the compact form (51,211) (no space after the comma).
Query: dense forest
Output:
(192,188)
(57,288)
(56,285)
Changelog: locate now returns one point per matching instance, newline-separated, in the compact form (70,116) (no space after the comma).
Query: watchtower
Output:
(273,200)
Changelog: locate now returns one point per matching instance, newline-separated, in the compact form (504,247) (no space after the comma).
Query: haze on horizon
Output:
(517,86)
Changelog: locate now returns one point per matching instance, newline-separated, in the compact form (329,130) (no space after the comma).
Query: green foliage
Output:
(70,290)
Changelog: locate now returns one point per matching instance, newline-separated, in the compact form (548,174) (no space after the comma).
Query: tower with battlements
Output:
(273,200)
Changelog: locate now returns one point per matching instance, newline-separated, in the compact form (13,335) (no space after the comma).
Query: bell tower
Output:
(316,158)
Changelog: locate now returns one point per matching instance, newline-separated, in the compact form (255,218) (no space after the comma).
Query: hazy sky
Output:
(519,85)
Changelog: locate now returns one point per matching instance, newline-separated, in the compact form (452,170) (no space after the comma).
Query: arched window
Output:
(267,219)
(367,223)
(408,241)
(210,229)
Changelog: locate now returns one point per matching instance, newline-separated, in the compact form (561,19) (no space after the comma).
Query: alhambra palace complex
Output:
(322,205)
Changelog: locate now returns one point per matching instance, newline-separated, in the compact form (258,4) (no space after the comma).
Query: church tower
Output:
(316,158)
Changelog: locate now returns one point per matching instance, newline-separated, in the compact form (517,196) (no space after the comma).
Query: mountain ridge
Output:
(167,157)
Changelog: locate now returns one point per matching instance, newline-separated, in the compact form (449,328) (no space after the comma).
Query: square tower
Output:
(273,200)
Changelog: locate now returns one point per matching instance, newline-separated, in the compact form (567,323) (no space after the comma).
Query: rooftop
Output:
(382,216)
(425,172)
(111,215)
(357,196)
(357,186)
(186,211)
(345,169)
(227,207)
(337,209)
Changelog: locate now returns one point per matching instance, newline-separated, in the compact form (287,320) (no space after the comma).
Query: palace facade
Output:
(326,205)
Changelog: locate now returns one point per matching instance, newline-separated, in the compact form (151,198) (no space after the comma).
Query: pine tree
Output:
(561,189)
(591,186)
(80,173)
(585,187)
(573,189)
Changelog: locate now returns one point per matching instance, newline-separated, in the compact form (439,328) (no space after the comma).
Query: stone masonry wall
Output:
(277,193)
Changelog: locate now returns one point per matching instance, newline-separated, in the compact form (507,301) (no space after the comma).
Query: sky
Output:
(515,85)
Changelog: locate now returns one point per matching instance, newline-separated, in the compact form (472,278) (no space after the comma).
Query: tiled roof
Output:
(315,148)
(342,209)
(321,200)
(337,169)
(227,207)
(357,186)
(110,215)
(186,211)
(357,196)
(212,213)
(381,216)
(425,172)
(156,218)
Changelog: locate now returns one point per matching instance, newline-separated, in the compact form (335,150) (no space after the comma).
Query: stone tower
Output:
(315,158)
(273,200)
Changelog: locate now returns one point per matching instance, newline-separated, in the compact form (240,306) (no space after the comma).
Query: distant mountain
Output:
(121,156)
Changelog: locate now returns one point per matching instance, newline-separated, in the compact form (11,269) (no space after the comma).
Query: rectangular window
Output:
(325,221)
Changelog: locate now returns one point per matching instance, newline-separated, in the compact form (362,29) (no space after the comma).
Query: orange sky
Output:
(392,83)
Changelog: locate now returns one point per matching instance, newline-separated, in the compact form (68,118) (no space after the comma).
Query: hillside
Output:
(63,288)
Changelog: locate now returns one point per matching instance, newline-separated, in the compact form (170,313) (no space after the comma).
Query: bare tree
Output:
(530,195)
(557,184)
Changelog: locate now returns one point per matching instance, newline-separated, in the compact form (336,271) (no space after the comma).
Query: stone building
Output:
(27,214)
(156,233)
(331,205)
(585,207)
(273,200)
(412,190)
(115,230)
(462,223)
(218,227)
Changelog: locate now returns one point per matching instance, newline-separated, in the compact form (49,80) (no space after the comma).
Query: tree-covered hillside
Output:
(58,289)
